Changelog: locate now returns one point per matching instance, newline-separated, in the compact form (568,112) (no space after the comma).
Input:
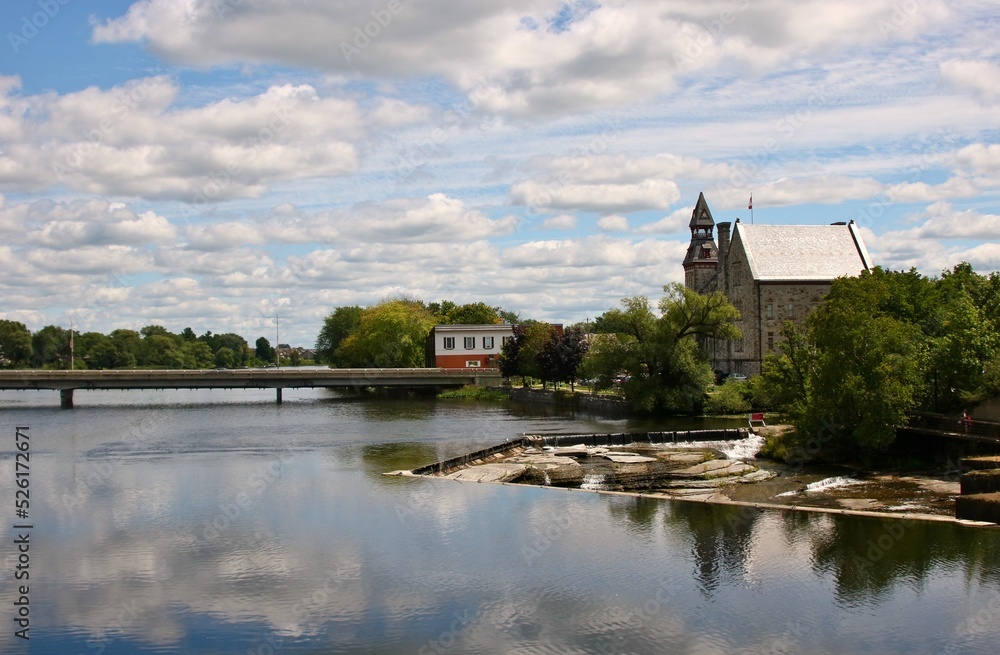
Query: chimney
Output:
(723,256)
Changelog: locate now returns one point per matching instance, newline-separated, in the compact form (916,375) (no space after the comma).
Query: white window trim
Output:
(447,341)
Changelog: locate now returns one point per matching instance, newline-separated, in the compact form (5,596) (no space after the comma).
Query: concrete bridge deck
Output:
(255,378)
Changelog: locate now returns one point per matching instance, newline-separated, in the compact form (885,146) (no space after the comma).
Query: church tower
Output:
(701,263)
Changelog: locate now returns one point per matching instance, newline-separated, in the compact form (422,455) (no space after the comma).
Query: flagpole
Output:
(750,207)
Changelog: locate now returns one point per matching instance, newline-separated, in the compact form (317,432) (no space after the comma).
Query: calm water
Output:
(218,522)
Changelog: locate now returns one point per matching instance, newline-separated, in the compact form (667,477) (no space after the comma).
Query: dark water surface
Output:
(219,522)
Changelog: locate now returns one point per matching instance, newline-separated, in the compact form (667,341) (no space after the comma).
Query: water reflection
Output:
(384,457)
(239,530)
(721,537)
(637,512)
(870,557)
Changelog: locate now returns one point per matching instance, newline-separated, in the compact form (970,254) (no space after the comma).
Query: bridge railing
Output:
(954,424)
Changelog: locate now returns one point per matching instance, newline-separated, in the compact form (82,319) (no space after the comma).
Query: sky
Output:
(227,165)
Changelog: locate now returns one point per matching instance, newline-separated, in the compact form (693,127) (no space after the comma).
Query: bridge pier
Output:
(277,395)
(66,398)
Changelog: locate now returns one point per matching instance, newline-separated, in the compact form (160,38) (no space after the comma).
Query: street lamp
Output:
(277,344)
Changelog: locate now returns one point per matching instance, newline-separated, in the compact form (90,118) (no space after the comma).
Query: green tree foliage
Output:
(50,346)
(128,347)
(867,373)
(264,352)
(733,397)
(477,313)
(225,357)
(15,344)
(561,356)
(336,327)
(657,356)
(529,357)
(886,344)
(510,353)
(391,334)
(234,342)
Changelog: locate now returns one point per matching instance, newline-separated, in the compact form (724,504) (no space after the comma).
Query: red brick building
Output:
(466,346)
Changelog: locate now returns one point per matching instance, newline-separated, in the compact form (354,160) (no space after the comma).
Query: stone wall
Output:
(604,405)
(764,307)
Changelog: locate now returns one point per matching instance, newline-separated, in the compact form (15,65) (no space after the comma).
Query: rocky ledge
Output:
(632,468)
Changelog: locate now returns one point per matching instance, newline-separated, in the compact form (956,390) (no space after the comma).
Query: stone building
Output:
(771,273)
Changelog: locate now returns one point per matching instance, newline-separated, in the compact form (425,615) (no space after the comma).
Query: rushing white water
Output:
(825,485)
(734,449)
(593,481)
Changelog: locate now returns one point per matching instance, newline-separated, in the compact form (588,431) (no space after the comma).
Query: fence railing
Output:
(953,424)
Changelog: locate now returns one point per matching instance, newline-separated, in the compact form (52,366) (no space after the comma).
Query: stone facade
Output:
(771,274)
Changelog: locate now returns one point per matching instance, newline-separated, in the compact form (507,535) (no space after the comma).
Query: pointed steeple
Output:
(702,215)
(702,260)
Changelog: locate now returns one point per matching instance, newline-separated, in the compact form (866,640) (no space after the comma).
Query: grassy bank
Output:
(476,393)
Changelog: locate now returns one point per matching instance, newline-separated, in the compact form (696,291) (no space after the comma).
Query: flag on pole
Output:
(750,206)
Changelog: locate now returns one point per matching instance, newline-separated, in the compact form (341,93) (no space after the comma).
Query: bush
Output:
(730,398)
(476,393)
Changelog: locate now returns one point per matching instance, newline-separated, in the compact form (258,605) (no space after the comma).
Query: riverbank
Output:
(723,472)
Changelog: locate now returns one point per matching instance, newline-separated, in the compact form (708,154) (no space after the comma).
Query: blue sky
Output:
(213,163)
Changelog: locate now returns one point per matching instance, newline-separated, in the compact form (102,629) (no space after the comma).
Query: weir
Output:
(506,448)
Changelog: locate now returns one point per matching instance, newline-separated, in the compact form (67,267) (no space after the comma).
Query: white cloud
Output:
(980,159)
(131,140)
(223,236)
(560,222)
(601,198)
(944,222)
(614,223)
(437,218)
(521,59)
(676,222)
(979,78)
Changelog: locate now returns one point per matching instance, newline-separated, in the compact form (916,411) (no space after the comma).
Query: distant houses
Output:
(771,273)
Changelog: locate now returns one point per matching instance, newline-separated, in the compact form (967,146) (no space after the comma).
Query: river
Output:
(219,522)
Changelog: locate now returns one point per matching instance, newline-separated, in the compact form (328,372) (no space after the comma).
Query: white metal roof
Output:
(803,252)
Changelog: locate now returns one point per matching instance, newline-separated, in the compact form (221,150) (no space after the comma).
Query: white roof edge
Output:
(746,249)
(859,242)
(460,326)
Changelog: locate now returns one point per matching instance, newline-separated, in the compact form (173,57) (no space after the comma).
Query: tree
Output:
(510,353)
(659,359)
(391,334)
(529,358)
(163,351)
(15,344)
(128,345)
(336,327)
(477,313)
(49,346)
(561,356)
(868,365)
(859,364)
(225,357)
(151,330)
(197,354)
(264,352)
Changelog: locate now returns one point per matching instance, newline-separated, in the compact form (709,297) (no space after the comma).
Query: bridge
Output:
(274,378)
